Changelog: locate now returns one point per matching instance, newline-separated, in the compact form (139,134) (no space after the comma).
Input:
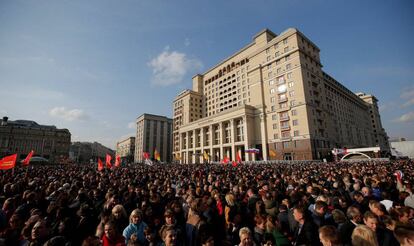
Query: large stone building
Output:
(22,136)
(154,132)
(125,148)
(272,96)
(85,152)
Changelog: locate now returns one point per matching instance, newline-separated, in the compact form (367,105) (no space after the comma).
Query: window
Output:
(268,58)
(286,145)
(275,136)
(295,122)
(291,93)
(290,84)
(275,126)
(272,90)
(295,133)
(270,74)
(273,108)
(279,70)
(286,134)
(286,49)
(280,80)
(285,41)
(267,51)
(272,99)
(294,112)
(289,75)
(274,117)
(283,105)
(269,66)
(277,54)
(271,82)
(287,58)
(292,103)
(288,66)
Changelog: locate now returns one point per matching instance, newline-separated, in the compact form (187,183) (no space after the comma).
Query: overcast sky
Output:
(95,66)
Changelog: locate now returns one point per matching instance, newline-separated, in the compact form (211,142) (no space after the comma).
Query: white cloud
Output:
(406,117)
(187,42)
(131,125)
(170,67)
(408,93)
(408,103)
(68,114)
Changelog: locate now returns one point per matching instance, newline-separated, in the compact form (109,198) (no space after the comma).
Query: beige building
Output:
(22,136)
(271,95)
(125,148)
(154,132)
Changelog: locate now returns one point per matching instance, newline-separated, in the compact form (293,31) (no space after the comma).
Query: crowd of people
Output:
(359,203)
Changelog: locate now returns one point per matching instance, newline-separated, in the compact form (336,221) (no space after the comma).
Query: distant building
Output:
(125,148)
(154,132)
(405,147)
(22,136)
(272,96)
(82,152)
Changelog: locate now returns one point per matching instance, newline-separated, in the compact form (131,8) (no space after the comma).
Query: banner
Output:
(146,155)
(8,162)
(205,156)
(117,161)
(108,161)
(272,153)
(157,155)
(26,161)
(100,165)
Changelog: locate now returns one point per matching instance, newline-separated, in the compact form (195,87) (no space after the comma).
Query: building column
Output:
(221,141)
(245,139)
(202,144)
(180,142)
(232,139)
(194,147)
(264,135)
(211,143)
(187,141)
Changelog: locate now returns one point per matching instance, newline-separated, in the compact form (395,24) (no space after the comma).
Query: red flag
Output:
(118,161)
(238,158)
(8,162)
(234,164)
(225,160)
(26,161)
(145,155)
(100,165)
(108,161)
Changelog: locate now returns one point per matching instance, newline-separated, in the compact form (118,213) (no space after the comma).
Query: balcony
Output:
(285,127)
(283,118)
(285,137)
(281,100)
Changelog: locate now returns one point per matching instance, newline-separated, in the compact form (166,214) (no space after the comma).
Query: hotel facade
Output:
(154,132)
(272,96)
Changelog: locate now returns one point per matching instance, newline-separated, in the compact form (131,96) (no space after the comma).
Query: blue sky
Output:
(95,66)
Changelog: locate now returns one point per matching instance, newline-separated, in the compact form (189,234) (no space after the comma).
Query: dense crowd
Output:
(360,203)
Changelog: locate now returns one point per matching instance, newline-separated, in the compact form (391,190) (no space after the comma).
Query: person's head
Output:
(363,236)
(208,241)
(118,212)
(404,235)
(110,230)
(169,236)
(389,222)
(329,236)
(404,215)
(354,214)
(299,214)
(135,217)
(338,216)
(40,230)
(245,236)
(366,191)
(16,221)
(169,217)
(260,221)
(321,207)
(358,197)
(229,199)
(377,208)
(91,241)
(371,220)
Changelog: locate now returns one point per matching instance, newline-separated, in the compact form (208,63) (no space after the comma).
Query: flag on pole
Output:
(272,153)
(234,164)
(145,155)
(100,165)
(117,161)
(238,157)
(8,162)
(399,175)
(108,161)
(157,155)
(205,156)
(225,160)
(26,161)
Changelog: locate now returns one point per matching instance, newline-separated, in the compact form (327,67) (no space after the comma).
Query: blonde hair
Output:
(135,212)
(363,236)
(244,230)
(229,199)
(121,209)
